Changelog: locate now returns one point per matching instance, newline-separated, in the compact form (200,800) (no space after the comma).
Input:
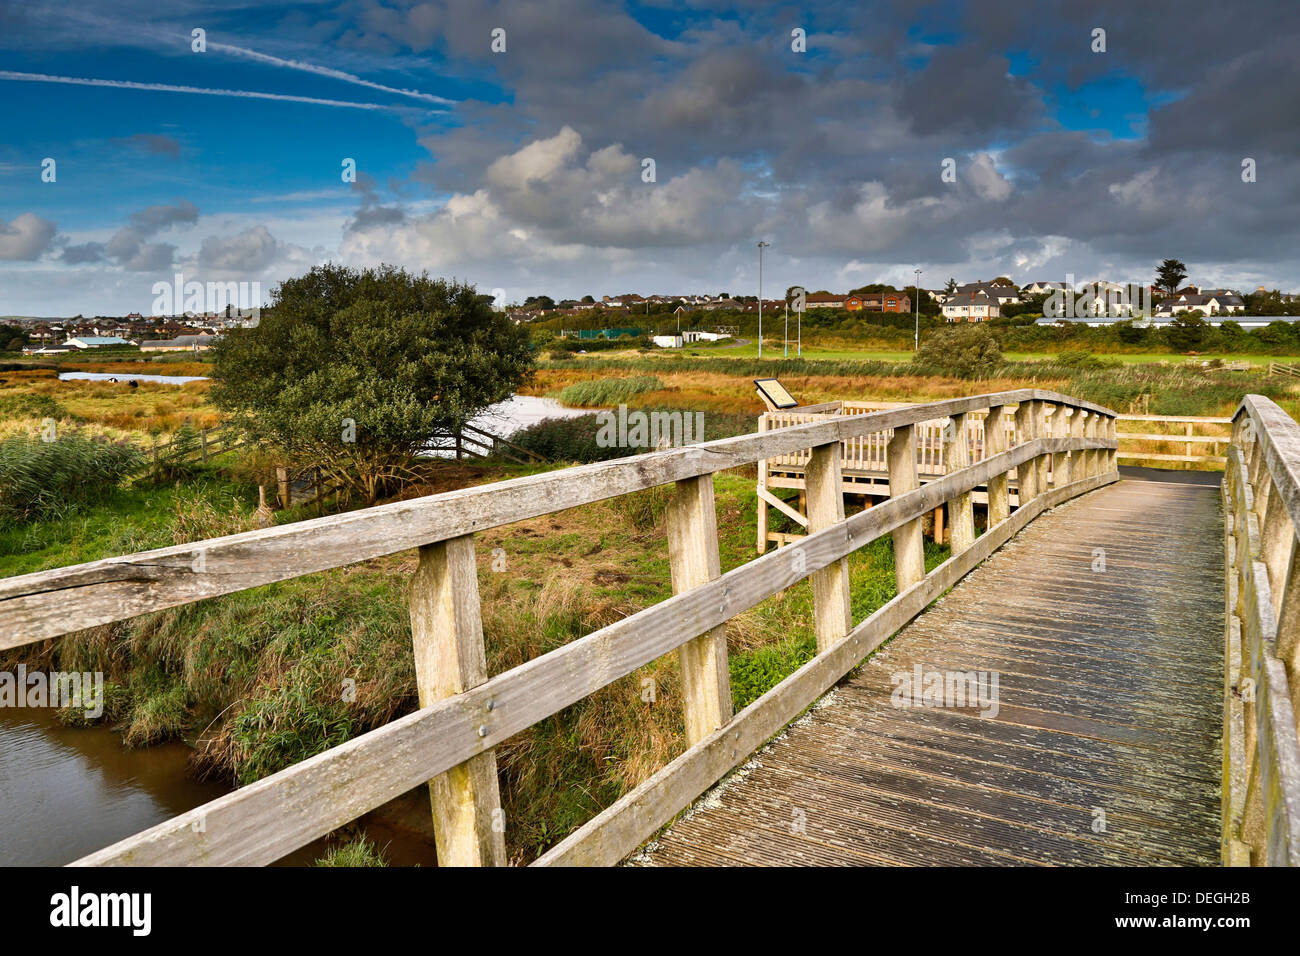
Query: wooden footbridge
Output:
(1102,674)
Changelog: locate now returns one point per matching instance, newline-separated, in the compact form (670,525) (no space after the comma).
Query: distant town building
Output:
(968,307)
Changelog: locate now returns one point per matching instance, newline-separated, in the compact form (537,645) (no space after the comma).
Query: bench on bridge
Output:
(449,742)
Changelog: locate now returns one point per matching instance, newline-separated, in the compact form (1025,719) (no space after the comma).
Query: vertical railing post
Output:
(832,613)
(1026,431)
(447,634)
(1092,459)
(1040,463)
(995,443)
(1060,429)
(1078,463)
(1112,432)
(909,543)
(961,510)
(693,560)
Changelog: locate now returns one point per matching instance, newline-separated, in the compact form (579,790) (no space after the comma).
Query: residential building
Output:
(967,307)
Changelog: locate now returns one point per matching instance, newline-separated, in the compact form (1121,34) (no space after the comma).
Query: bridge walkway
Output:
(1103,622)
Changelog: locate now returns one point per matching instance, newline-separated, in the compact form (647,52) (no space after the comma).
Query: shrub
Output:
(966,350)
(30,405)
(40,479)
(566,439)
(608,391)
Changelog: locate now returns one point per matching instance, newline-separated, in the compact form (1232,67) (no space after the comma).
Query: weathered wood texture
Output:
(447,634)
(1107,704)
(1261,766)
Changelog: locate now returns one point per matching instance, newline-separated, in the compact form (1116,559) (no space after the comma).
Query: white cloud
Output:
(26,237)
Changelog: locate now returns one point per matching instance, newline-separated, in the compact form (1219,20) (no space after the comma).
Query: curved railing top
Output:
(1278,436)
(49,603)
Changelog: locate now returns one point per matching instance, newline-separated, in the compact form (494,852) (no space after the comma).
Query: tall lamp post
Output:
(916,289)
(761,246)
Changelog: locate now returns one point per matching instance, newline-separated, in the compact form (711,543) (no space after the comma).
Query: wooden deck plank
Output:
(1108,700)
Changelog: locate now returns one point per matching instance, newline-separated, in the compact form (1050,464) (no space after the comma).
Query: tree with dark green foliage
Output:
(1187,331)
(355,371)
(1170,274)
(963,349)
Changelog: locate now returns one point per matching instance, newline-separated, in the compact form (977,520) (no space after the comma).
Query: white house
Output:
(971,308)
(1215,303)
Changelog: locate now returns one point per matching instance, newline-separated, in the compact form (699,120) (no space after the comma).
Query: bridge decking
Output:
(1110,687)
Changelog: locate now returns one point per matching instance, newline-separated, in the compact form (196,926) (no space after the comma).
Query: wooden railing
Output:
(464,714)
(207,443)
(1280,368)
(1261,748)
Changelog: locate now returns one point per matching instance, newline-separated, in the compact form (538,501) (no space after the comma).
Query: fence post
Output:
(693,561)
(447,635)
(203,444)
(832,613)
(961,510)
(282,481)
(909,543)
(1027,472)
(995,443)
(1060,428)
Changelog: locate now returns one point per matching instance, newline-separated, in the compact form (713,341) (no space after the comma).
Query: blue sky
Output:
(521,170)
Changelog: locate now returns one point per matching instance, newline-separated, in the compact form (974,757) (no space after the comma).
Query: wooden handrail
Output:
(449,742)
(49,603)
(1261,807)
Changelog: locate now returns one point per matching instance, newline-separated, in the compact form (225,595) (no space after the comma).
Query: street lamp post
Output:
(916,290)
(786,352)
(761,246)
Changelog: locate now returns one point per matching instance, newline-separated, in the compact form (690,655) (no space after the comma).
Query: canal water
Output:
(67,791)
(123,377)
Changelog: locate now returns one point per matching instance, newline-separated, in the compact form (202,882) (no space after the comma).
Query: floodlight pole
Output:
(761,246)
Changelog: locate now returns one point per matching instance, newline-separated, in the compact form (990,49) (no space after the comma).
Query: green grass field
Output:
(776,350)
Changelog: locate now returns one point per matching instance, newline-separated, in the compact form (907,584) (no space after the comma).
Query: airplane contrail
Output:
(325,71)
(170,88)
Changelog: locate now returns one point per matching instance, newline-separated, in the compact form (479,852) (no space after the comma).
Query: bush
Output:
(964,349)
(30,405)
(40,479)
(566,439)
(1083,359)
(608,391)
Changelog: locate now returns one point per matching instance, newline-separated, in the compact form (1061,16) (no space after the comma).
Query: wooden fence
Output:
(1280,368)
(864,465)
(208,443)
(464,714)
(1199,440)
(1261,747)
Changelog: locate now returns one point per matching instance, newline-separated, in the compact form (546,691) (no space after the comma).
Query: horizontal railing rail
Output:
(1261,742)
(449,742)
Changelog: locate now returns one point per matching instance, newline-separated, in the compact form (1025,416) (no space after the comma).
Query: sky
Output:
(506,143)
